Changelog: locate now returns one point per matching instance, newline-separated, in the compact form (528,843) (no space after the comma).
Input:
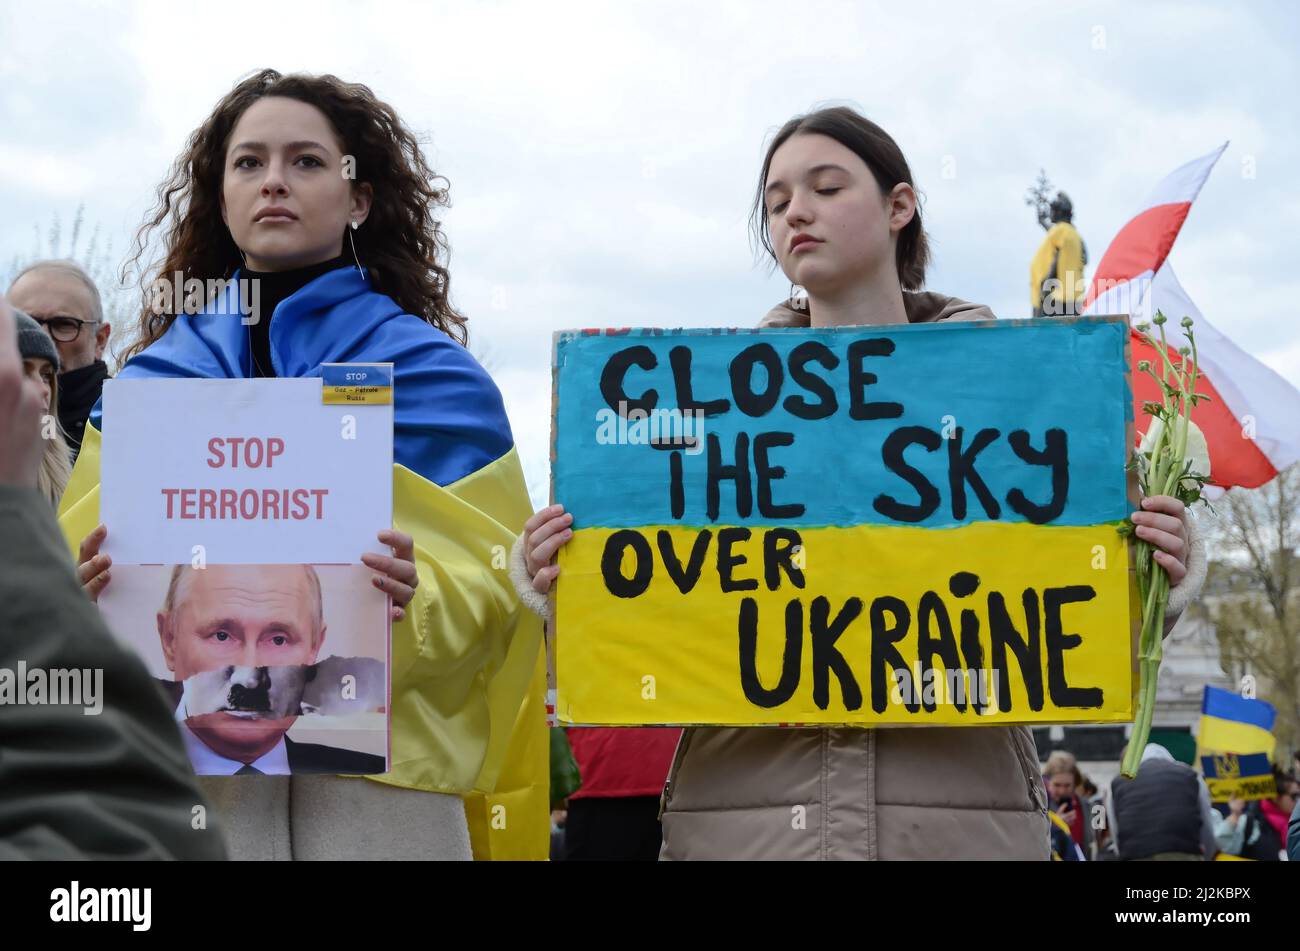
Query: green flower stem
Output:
(1150,652)
(1164,475)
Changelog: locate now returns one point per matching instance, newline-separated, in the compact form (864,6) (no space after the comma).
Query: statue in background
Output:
(1056,272)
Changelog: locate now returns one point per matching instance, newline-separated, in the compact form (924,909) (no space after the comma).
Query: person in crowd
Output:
(63,298)
(113,785)
(614,817)
(1163,813)
(41,366)
(1259,829)
(307,205)
(1063,790)
(837,209)
(1236,831)
(1058,760)
(1064,848)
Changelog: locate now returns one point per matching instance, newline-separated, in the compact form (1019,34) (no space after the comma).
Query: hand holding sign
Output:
(92,566)
(1161,523)
(397,578)
(545,532)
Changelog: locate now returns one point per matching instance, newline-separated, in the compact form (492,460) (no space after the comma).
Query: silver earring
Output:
(354,248)
(355,224)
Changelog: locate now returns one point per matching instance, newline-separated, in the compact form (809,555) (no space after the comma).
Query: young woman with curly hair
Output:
(307,204)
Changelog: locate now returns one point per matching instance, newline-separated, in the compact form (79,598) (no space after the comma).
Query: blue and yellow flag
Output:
(468,672)
(1235,746)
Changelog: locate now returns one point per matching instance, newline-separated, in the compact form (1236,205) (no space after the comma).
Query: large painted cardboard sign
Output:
(897,525)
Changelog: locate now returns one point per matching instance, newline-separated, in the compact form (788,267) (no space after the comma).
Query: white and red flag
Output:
(1252,420)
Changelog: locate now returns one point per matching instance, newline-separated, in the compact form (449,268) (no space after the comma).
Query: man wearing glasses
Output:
(64,300)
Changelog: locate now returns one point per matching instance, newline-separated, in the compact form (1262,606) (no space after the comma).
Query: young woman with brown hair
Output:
(837,209)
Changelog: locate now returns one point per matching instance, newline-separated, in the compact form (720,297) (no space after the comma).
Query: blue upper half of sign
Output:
(932,425)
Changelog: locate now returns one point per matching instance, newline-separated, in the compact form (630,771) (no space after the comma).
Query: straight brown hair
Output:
(881,154)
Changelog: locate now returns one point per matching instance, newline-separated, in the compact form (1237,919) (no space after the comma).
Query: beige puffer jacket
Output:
(882,793)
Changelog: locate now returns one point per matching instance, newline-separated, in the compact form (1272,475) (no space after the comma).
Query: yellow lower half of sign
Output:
(977,625)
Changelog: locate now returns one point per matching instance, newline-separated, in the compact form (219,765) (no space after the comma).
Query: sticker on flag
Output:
(356,383)
(1230,776)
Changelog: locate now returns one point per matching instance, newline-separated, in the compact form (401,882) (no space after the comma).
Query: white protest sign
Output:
(254,471)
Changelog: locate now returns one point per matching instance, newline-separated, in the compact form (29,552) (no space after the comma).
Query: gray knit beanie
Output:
(34,342)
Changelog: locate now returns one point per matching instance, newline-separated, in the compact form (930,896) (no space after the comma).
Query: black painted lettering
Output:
(611,378)
(961,469)
(1056,455)
(768,473)
(680,359)
(860,379)
(812,351)
(884,653)
(791,657)
(892,454)
(611,564)
(826,657)
(729,561)
(676,485)
(742,379)
(1028,650)
(779,546)
(1062,694)
(962,585)
(737,472)
(934,637)
(684,577)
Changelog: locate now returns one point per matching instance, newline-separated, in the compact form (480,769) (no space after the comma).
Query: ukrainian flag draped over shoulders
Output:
(468,672)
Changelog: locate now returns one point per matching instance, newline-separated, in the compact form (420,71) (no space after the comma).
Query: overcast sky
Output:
(602,157)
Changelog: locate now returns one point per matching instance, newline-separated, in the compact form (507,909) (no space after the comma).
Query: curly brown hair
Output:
(403,244)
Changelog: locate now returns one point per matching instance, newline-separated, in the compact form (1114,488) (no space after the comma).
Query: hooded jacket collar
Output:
(922,307)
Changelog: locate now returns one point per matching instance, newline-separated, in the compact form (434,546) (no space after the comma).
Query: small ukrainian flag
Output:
(1236,744)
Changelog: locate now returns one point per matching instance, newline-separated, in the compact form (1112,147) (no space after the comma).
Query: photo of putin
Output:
(242,643)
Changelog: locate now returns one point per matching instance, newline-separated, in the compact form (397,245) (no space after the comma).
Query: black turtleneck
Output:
(79,390)
(273,287)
